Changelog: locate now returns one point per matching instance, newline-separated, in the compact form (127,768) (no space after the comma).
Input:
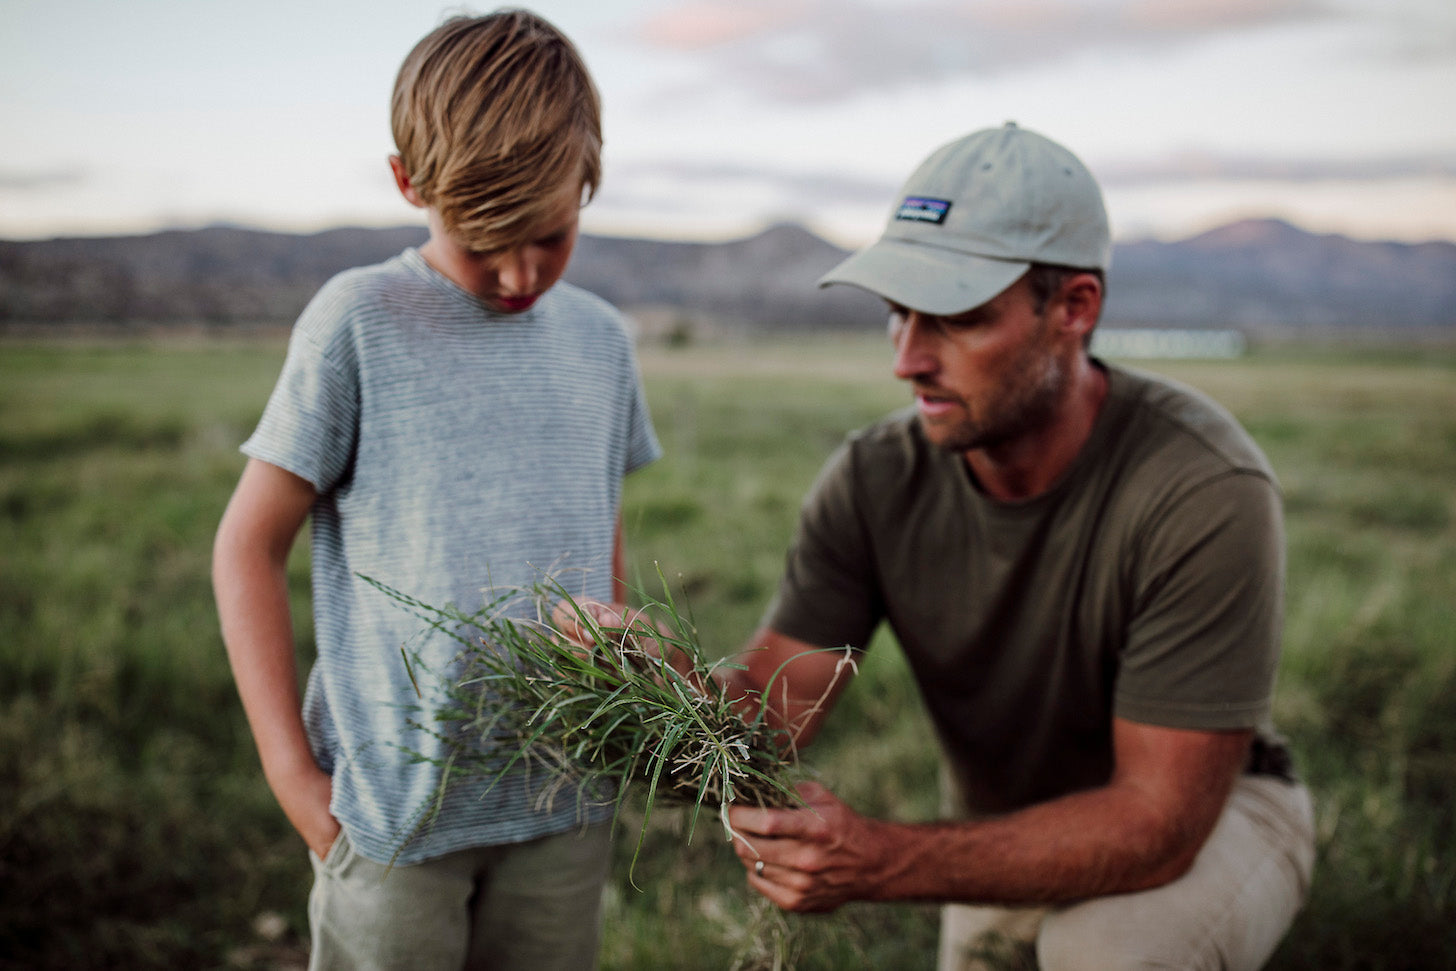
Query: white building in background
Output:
(1149,343)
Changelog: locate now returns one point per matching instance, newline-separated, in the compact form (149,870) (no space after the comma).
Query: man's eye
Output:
(896,324)
(960,323)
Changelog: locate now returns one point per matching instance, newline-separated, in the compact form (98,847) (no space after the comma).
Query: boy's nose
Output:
(519,272)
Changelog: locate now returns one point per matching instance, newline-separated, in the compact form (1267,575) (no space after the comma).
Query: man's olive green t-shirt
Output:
(1147,585)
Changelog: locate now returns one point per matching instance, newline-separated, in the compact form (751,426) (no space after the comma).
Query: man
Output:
(1084,568)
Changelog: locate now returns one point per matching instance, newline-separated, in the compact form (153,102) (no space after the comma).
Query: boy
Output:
(455,421)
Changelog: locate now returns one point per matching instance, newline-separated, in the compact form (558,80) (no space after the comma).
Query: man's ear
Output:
(1082,297)
(402,182)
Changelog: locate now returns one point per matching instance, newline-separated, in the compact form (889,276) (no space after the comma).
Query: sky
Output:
(724,116)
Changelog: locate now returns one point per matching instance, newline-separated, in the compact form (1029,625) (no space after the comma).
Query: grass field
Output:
(136,830)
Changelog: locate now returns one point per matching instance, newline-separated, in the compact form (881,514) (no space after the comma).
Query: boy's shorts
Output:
(533,905)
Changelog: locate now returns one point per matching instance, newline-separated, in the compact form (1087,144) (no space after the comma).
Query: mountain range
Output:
(1265,278)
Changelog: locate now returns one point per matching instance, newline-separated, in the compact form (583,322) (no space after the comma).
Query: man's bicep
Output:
(1177,758)
(1203,645)
(1184,776)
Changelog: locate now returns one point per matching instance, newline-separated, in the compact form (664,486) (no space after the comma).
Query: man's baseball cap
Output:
(975,215)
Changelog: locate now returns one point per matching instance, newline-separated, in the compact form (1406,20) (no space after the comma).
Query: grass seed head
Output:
(606,722)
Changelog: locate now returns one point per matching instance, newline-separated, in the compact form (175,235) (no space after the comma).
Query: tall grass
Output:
(634,709)
(136,831)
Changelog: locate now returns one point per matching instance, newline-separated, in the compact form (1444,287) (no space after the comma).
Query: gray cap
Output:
(975,215)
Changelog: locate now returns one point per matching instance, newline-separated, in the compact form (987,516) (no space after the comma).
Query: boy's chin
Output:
(511,305)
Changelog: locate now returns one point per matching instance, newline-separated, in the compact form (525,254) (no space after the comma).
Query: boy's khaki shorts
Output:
(1230,911)
(533,905)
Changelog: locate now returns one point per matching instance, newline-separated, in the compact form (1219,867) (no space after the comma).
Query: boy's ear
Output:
(402,182)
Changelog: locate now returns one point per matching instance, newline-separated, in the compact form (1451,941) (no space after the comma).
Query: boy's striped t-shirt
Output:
(458,453)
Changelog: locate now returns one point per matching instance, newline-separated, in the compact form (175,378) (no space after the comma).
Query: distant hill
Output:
(762,282)
(214,276)
(1268,278)
(1264,277)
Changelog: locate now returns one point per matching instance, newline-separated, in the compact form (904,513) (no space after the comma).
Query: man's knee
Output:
(1230,911)
(1084,939)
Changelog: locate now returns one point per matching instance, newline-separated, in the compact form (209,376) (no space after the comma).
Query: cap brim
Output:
(925,278)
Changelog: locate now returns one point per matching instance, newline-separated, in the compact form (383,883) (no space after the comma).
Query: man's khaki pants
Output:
(1229,911)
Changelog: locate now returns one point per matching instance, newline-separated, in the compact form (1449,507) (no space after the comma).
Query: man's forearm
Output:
(1140,830)
(796,683)
(1084,845)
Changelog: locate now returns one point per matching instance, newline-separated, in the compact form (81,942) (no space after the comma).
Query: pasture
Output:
(135,827)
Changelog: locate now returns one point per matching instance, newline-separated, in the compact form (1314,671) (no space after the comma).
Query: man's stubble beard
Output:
(1025,401)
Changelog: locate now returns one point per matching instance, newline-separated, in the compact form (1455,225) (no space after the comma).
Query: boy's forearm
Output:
(252,602)
(257,628)
(250,583)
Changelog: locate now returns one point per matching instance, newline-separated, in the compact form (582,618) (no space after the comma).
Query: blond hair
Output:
(492,116)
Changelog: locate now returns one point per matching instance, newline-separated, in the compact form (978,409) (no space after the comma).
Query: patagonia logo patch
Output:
(919,209)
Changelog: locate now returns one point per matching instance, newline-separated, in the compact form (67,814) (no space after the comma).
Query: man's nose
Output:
(915,343)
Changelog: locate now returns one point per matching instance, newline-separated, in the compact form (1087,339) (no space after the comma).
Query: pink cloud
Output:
(1191,16)
(821,50)
(714,23)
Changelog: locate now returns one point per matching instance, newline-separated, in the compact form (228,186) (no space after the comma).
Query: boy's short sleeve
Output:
(310,424)
(642,444)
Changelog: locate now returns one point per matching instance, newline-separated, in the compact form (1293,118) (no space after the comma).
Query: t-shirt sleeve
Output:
(642,445)
(827,596)
(1203,644)
(310,425)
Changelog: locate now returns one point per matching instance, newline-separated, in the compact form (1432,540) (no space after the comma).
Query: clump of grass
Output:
(615,718)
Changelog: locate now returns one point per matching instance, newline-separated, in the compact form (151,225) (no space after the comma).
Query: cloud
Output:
(713,23)
(14,180)
(1214,167)
(1200,16)
(1420,33)
(811,189)
(688,187)
(823,50)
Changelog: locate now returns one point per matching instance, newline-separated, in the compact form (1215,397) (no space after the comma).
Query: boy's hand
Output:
(566,619)
(305,797)
(627,632)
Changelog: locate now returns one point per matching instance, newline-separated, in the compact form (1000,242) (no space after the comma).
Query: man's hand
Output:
(1140,830)
(813,859)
